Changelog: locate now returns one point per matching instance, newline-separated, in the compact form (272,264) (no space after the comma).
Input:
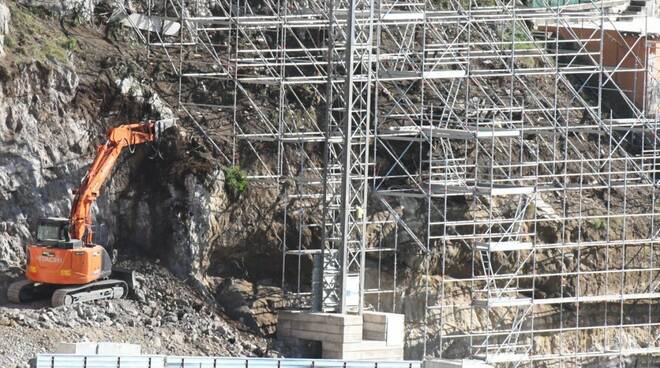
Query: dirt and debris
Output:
(165,316)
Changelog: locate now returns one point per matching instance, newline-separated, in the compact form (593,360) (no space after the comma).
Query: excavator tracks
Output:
(105,289)
(16,289)
(25,291)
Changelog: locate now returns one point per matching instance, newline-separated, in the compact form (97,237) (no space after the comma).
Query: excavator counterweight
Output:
(64,262)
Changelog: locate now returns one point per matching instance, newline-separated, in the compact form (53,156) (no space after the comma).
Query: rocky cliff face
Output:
(53,114)
(166,200)
(41,142)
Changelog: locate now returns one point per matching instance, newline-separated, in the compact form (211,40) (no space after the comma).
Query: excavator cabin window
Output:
(47,232)
(52,231)
(55,232)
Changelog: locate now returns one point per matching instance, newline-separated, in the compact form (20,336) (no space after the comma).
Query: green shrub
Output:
(9,42)
(597,224)
(51,49)
(235,181)
(71,44)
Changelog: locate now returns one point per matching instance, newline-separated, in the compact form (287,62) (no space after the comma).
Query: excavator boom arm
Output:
(107,154)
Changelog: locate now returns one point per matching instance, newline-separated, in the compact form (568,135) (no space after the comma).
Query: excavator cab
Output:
(54,232)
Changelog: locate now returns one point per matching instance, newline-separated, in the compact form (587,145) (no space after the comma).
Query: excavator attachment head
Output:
(162,125)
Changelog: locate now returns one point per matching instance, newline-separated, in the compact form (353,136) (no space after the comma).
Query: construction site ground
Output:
(166,316)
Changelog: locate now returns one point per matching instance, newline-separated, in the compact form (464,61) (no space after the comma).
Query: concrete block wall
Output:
(337,328)
(363,350)
(98,348)
(386,327)
(346,336)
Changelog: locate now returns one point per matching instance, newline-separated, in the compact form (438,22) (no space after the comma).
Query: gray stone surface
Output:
(39,152)
(83,9)
(5,17)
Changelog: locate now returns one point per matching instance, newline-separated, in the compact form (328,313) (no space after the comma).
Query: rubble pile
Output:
(165,315)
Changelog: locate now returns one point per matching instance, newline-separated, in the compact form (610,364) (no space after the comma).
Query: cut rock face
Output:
(254,305)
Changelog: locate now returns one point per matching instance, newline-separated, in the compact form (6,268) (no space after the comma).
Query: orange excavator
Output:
(64,263)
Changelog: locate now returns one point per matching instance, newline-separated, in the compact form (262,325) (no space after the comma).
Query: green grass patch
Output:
(35,36)
(518,37)
(235,181)
(597,224)
(71,44)
(10,43)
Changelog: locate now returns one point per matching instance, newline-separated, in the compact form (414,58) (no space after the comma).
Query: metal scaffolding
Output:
(508,149)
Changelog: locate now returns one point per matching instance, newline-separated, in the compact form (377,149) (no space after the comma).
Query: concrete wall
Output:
(98,348)
(346,336)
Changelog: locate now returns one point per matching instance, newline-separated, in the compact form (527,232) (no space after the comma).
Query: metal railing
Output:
(161,361)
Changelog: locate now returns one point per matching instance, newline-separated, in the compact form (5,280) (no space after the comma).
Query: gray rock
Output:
(4,25)
(253,305)
(80,9)
(37,161)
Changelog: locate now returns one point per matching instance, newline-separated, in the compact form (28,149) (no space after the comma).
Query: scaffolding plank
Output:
(471,133)
(504,246)
(598,298)
(506,357)
(301,137)
(503,301)
(302,252)
(395,75)
(404,132)
(503,189)
(449,187)
(400,15)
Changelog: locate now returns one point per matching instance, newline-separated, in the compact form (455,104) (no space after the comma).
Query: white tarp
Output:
(152,24)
